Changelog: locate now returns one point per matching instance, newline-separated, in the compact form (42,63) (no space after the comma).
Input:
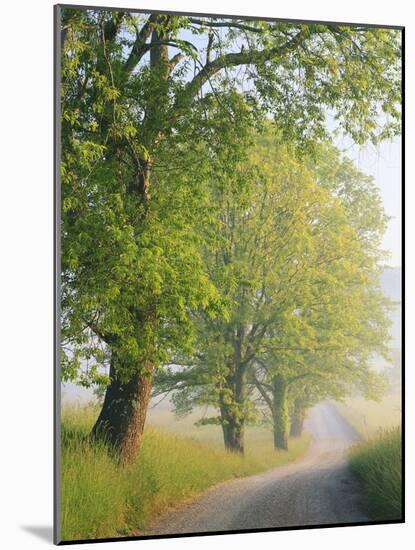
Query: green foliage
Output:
(340,68)
(101,499)
(132,268)
(296,256)
(130,271)
(378,464)
(340,319)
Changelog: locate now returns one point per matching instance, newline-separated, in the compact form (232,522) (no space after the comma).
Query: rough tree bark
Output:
(123,414)
(232,415)
(280,412)
(232,424)
(233,431)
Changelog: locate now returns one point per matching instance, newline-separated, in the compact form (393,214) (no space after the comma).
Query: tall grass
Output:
(101,499)
(378,464)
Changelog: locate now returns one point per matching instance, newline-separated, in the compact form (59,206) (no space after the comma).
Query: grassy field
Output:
(256,437)
(377,462)
(368,417)
(100,499)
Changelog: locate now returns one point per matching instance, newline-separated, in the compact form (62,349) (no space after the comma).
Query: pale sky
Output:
(384,164)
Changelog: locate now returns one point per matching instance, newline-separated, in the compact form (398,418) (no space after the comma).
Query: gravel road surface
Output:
(316,489)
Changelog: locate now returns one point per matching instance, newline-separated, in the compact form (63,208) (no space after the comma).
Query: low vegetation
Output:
(101,499)
(377,463)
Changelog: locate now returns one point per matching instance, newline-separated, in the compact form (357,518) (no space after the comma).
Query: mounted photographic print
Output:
(228,274)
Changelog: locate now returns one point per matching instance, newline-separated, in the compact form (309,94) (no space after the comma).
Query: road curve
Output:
(317,489)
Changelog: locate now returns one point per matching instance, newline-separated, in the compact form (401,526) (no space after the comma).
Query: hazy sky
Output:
(384,164)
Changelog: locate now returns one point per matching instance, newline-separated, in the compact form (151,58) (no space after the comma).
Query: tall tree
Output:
(299,273)
(348,315)
(134,88)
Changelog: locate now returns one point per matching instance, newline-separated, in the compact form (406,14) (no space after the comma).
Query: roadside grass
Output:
(101,499)
(377,462)
(368,417)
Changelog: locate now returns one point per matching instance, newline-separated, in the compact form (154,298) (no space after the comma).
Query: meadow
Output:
(370,417)
(178,460)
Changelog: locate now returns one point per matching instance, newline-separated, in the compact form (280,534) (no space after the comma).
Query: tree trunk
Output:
(280,412)
(233,437)
(123,414)
(233,413)
(233,431)
(297,418)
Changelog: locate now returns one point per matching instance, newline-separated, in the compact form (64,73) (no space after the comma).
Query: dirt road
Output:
(316,489)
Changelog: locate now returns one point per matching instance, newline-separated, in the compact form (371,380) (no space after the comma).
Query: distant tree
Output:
(302,298)
(348,322)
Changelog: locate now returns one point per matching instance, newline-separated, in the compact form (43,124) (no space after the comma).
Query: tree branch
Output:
(109,339)
(140,46)
(245,57)
(262,391)
(112,26)
(229,24)
(174,61)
